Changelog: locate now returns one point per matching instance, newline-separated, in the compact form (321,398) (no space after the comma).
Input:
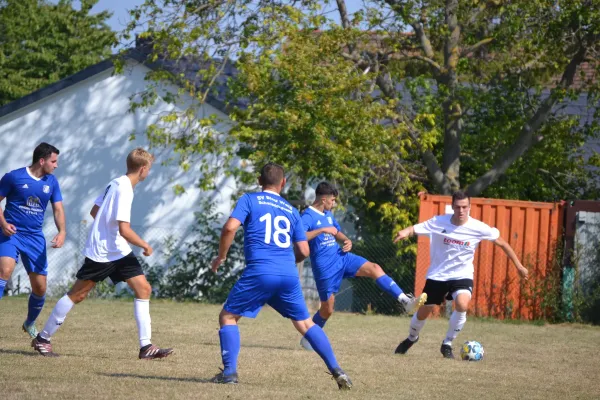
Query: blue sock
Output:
(388,285)
(317,319)
(320,343)
(36,303)
(230,348)
(2,286)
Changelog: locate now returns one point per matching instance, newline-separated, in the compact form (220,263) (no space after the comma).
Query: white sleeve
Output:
(123,200)
(99,200)
(425,228)
(489,233)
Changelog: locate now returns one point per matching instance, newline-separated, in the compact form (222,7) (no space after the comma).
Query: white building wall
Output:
(90,124)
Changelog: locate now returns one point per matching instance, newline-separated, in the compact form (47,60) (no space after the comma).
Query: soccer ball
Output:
(471,351)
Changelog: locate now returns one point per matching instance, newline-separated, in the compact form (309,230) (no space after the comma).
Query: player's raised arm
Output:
(227,236)
(510,253)
(404,233)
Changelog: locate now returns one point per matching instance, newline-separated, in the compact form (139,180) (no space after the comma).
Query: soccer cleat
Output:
(343,381)
(231,379)
(305,344)
(152,352)
(43,347)
(405,345)
(411,306)
(31,330)
(446,351)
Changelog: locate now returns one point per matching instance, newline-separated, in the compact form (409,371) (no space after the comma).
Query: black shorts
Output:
(118,271)
(437,291)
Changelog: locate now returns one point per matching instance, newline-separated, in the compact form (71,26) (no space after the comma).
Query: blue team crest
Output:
(330,220)
(46,189)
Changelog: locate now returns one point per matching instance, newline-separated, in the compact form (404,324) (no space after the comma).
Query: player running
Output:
(27,191)
(108,255)
(274,241)
(454,238)
(331,264)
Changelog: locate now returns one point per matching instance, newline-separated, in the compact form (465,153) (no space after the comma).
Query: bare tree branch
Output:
(343,13)
(471,49)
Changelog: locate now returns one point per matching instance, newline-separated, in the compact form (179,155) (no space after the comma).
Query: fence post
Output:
(81,243)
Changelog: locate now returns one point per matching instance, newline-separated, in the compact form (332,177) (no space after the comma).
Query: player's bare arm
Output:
(404,233)
(94,211)
(508,250)
(310,235)
(7,229)
(301,251)
(347,243)
(227,235)
(129,234)
(61,225)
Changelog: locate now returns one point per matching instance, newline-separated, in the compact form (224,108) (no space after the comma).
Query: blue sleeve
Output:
(299,235)
(56,195)
(5,185)
(242,209)
(335,223)
(306,221)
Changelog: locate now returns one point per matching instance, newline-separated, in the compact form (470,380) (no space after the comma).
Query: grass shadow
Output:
(162,378)
(258,346)
(19,352)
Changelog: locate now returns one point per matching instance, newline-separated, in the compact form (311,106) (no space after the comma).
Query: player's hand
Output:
(214,265)
(148,250)
(523,272)
(9,229)
(332,230)
(347,245)
(403,234)
(59,240)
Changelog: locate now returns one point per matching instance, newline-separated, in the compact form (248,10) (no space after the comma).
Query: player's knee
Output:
(326,311)
(144,291)
(77,297)
(377,270)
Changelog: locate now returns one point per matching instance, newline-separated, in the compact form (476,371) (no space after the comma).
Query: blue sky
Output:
(120,16)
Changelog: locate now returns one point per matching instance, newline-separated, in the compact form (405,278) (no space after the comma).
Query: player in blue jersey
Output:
(27,191)
(274,241)
(331,264)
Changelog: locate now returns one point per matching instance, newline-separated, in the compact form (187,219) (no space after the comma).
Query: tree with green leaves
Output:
(400,96)
(42,42)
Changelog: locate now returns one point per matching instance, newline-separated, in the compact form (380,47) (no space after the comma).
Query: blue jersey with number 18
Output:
(271,227)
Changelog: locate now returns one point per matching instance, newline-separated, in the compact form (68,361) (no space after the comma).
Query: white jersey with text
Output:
(453,246)
(104,242)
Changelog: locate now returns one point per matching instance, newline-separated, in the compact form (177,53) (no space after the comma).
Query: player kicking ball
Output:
(274,241)
(331,264)
(454,238)
(108,255)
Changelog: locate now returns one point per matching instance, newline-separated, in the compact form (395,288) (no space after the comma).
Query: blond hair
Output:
(138,158)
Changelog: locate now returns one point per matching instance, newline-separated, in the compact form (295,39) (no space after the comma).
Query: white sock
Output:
(141,310)
(457,321)
(404,299)
(57,317)
(415,327)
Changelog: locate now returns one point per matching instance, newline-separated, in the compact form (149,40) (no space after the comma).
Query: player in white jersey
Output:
(108,255)
(454,239)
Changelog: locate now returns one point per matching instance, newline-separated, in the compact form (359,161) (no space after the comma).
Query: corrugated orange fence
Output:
(531,228)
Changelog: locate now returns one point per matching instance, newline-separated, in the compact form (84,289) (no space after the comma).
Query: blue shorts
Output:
(346,267)
(30,246)
(283,293)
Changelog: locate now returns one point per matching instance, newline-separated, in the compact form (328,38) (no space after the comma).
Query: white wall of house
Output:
(90,124)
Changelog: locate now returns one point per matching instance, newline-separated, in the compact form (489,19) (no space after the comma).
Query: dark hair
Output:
(43,150)
(460,195)
(271,174)
(326,189)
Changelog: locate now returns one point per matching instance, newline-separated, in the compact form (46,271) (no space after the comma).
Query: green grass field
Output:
(98,347)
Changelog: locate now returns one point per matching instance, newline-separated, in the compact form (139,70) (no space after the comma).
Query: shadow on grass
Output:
(161,378)
(19,352)
(258,346)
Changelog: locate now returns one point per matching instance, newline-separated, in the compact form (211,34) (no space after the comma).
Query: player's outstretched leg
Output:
(320,343)
(409,303)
